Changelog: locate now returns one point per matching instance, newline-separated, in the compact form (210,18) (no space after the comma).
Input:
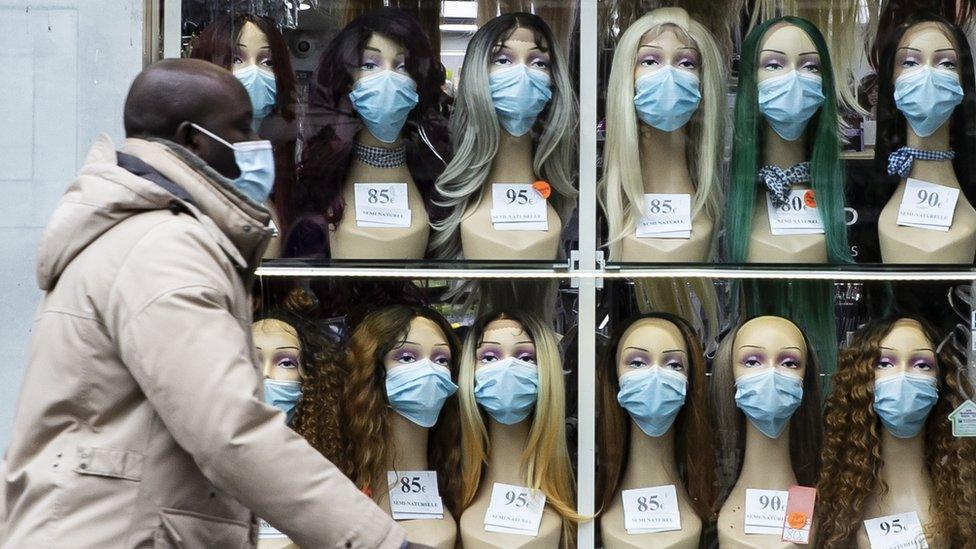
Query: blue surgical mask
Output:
(769,398)
(653,397)
(283,395)
(927,98)
(383,102)
(789,101)
(260,86)
(507,389)
(417,391)
(667,98)
(903,402)
(519,95)
(255,159)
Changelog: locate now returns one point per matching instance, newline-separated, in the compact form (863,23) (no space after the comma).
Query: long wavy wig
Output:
(545,460)
(622,187)
(366,410)
(694,452)
(852,455)
(822,138)
(475,131)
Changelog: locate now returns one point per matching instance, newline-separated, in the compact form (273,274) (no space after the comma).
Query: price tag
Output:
(649,510)
(798,216)
(514,510)
(799,514)
(666,216)
(518,207)
(382,205)
(266,531)
(765,511)
(414,495)
(927,205)
(900,531)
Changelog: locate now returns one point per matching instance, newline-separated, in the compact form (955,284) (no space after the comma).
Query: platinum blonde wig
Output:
(622,187)
(545,460)
(475,132)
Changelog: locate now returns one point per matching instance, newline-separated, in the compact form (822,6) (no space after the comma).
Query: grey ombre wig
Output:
(475,132)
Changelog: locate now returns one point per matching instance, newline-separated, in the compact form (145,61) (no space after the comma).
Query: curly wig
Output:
(694,452)
(366,410)
(852,459)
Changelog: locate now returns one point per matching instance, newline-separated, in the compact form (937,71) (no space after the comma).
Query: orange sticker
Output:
(809,200)
(543,188)
(796,519)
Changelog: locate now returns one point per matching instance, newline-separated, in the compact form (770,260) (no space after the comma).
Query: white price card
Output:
(414,495)
(901,531)
(382,205)
(266,531)
(649,510)
(798,216)
(515,510)
(666,216)
(765,511)
(927,205)
(518,207)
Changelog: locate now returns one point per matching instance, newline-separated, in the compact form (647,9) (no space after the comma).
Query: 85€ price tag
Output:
(798,216)
(382,205)
(515,510)
(901,531)
(765,511)
(414,495)
(665,216)
(649,510)
(927,205)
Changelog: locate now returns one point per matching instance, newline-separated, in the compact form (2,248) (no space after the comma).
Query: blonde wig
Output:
(545,461)
(852,460)
(475,132)
(622,187)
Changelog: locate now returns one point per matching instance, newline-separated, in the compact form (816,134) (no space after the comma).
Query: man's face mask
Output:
(256,162)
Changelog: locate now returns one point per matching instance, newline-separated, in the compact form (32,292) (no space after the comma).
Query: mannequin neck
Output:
(366,138)
(903,460)
(664,161)
(409,444)
(767,461)
(780,152)
(513,160)
(650,460)
(933,171)
(505,455)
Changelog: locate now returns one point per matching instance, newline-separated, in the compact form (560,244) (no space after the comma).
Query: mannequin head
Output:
(545,459)
(279,349)
(663,37)
(852,453)
(777,47)
(938,44)
(761,344)
(388,338)
(505,41)
(382,39)
(670,342)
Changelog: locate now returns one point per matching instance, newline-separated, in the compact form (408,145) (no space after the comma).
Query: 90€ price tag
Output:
(765,511)
(649,510)
(901,531)
(414,495)
(927,205)
(515,510)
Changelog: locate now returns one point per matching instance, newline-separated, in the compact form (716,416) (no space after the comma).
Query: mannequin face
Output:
(786,48)
(769,342)
(906,350)
(504,339)
(381,54)
(424,340)
(652,342)
(520,49)
(253,49)
(279,349)
(659,48)
(926,44)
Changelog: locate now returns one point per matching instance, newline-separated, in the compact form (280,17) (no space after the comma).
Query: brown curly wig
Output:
(365,411)
(852,455)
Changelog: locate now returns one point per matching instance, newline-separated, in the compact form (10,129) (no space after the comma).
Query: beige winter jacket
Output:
(140,421)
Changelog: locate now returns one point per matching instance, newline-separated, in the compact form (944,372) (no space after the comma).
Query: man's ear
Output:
(188,137)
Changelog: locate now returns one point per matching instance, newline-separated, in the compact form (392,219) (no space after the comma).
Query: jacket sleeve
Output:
(193,360)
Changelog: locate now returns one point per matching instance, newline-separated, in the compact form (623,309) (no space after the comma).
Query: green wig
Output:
(822,136)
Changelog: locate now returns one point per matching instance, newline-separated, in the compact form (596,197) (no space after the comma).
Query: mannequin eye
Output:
(237,60)
(267,62)
(442,360)
(772,65)
(811,67)
(752,362)
(369,65)
(636,363)
(947,64)
(675,365)
(649,62)
(287,364)
(502,60)
(539,64)
(688,64)
(486,357)
(790,363)
(884,364)
(527,357)
(908,63)
(923,365)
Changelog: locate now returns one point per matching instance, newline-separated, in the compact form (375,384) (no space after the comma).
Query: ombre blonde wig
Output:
(545,463)
(622,187)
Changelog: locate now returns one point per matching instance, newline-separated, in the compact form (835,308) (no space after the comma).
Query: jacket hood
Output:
(105,194)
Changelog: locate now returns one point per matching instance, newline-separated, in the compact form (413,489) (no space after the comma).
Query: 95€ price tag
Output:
(414,495)
(665,216)
(515,510)
(518,207)
(901,531)
(765,511)
(382,205)
(927,205)
(649,510)
(798,216)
